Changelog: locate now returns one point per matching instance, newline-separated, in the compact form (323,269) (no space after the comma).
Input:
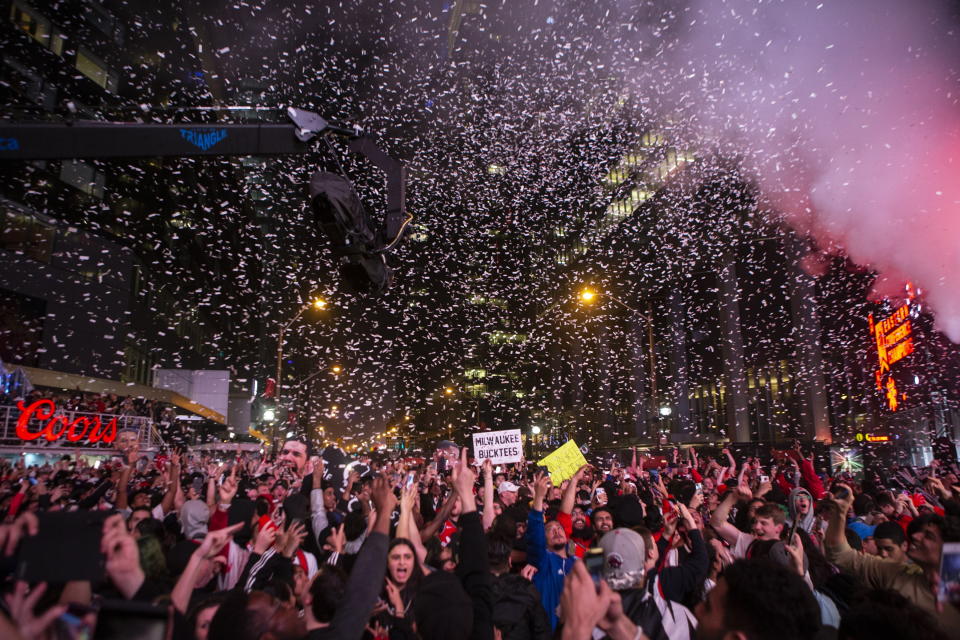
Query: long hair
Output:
(409,590)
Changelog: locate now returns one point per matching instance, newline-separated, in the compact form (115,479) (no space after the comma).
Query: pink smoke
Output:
(848,115)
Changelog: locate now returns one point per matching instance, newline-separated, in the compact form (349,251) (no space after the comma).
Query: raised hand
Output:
(214,541)
(228,488)
(11,534)
(462,476)
(123,556)
(21,603)
(337,540)
(382,495)
(795,549)
(293,538)
(265,539)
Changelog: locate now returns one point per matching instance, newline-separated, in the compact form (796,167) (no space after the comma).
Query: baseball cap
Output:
(507,486)
(624,554)
(862,529)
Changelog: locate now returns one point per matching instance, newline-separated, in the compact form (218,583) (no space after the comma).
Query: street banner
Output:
(499,447)
(563,462)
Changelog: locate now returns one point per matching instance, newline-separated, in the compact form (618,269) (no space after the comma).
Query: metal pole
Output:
(279,385)
(276,416)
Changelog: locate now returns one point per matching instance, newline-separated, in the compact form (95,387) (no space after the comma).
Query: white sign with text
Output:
(499,447)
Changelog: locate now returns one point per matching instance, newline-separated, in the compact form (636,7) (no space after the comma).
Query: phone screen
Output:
(67,547)
(950,573)
(123,619)
(593,560)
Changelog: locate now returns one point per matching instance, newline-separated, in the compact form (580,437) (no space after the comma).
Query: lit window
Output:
(83,176)
(56,42)
(92,67)
(29,20)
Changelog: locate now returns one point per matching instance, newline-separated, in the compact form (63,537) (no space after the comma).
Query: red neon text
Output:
(59,426)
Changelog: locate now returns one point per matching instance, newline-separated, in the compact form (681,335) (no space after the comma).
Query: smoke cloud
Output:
(847,114)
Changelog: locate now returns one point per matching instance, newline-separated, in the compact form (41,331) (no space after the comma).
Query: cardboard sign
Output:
(499,447)
(563,462)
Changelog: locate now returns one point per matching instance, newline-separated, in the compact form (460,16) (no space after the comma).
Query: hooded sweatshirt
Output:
(806,521)
(194,515)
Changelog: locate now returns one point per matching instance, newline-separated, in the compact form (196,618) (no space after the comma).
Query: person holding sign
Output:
(547,550)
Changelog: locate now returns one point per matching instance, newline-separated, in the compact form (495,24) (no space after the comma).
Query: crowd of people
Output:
(84,402)
(299,545)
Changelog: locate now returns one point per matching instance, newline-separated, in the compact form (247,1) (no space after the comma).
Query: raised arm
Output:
(488,514)
(405,525)
(366,578)
(719,518)
(434,525)
(570,492)
(173,484)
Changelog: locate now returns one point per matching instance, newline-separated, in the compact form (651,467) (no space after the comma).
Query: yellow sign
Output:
(563,462)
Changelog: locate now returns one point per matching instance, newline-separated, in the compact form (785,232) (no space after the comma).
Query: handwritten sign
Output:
(499,447)
(563,462)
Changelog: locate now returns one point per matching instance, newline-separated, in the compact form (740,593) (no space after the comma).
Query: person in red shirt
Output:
(573,519)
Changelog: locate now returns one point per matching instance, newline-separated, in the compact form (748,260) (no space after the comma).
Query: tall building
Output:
(115,268)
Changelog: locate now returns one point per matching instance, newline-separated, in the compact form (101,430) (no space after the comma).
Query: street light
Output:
(336,369)
(318,303)
(535,430)
(448,391)
(588,295)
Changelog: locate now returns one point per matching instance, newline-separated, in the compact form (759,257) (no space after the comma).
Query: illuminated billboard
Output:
(893,338)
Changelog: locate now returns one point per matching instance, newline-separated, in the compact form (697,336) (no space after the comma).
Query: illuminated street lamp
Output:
(535,430)
(588,295)
(318,303)
(448,391)
(336,369)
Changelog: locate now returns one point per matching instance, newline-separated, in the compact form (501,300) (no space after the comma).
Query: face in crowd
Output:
(400,563)
(508,498)
(602,521)
(556,536)
(926,546)
(293,456)
(766,529)
(890,550)
(578,518)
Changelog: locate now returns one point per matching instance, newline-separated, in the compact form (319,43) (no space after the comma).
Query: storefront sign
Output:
(59,426)
(866,437)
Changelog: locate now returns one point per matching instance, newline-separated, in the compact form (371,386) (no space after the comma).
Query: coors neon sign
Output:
(59,426)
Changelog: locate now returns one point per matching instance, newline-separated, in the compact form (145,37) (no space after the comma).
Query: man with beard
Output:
(760,600)
(575,523)
(547,551)
(602,520)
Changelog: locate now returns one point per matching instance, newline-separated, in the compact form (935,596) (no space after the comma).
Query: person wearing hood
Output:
(194,516)
(800,507)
